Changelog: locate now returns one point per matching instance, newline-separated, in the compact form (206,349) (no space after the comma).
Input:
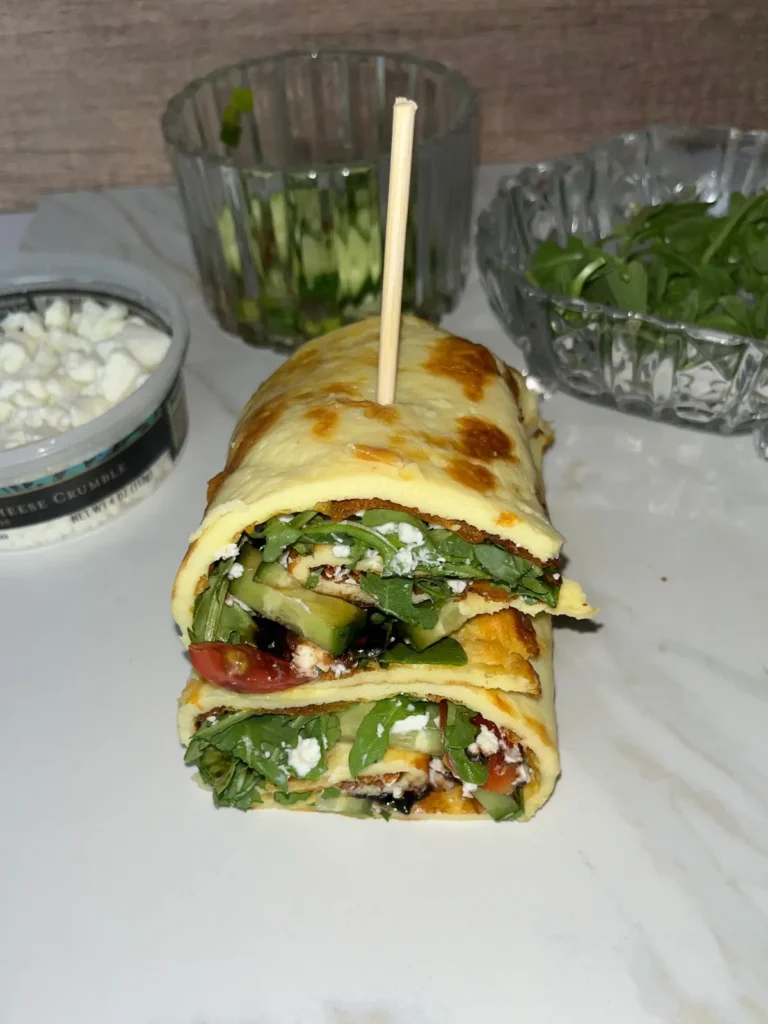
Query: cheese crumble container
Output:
(71,483)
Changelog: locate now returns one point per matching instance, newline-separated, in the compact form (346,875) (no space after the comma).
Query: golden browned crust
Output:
(504,643)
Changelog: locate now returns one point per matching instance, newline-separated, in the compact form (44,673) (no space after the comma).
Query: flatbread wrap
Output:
(372,586)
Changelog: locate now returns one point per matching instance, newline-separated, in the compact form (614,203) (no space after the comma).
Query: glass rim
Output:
(468,108)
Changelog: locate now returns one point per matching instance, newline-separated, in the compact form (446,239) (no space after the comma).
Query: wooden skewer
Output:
(394,247)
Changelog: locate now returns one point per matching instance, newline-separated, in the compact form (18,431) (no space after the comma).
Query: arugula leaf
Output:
(350,533)
(236,626)
(395,597)
(502,565)
(240,102)
(521,575)
(279,535)
(438,590)
(372,737)
(291,798)
(233,783)
(459,733)
(379,516)
(629,285)
(450,546)
(209,606)
(447,651)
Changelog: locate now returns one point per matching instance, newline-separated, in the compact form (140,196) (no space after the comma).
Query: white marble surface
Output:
(639,894)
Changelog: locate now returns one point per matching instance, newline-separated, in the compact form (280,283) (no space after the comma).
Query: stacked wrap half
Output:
(368,600)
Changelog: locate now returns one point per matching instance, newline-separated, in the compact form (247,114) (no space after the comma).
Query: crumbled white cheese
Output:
(228,551)
(12,357)
(404,562)
(57,315)
(513,754)
(410,724)
(468,789)
(236,571)
(338,669)
(341,550)
(380,730)
(65,368)
(409,534)
(406,533)
(285,519)
(304,757)
(457,586)
(121,372)
(486,743)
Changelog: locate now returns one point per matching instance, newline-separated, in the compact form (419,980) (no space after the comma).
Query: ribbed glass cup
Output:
(287,225)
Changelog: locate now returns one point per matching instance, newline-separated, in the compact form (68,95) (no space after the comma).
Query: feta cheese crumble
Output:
(486,743)
(342,550)
(228,551)
(68,366)
(304,757)
(410,724)
(457,586)
(236,571)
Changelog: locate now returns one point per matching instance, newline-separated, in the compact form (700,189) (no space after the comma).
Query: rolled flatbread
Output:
(372,585)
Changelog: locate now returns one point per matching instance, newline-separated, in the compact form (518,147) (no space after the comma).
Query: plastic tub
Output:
(74,482)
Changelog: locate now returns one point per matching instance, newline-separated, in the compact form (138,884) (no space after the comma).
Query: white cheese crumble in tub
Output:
(67,367)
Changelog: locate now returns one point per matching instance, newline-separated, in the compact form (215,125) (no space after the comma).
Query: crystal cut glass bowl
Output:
(675,372)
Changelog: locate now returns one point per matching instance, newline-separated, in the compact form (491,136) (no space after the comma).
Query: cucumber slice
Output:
(499,806)
(271,591)
(423,741)
(274,575)
(335,802)
(351,718)
(450,619)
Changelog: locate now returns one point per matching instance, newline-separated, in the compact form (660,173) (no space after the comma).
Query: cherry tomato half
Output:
(242,668)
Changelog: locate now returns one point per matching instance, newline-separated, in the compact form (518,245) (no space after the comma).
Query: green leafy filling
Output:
(214,619)
(675,261)
(459,734)
(442,555)
(240,753)
(372,737)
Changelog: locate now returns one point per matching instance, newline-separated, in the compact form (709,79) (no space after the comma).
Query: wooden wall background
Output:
(82,82)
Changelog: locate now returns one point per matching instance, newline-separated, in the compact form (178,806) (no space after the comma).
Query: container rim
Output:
(467,110)
(487,238)
(102,277)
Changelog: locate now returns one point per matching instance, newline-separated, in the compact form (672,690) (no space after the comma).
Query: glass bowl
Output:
(286,211)
(676,372)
